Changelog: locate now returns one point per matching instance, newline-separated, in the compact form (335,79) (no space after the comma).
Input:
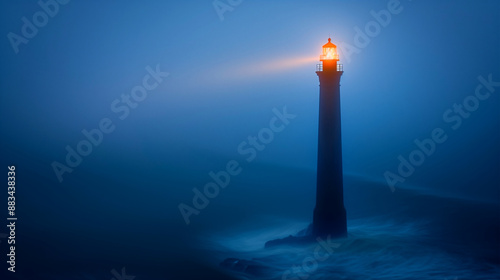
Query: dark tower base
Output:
(330,222)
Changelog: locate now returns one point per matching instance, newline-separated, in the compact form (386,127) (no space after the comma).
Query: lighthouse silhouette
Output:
(329,213)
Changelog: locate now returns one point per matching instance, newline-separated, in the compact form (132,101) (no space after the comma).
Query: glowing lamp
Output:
(329,58)
(329,51)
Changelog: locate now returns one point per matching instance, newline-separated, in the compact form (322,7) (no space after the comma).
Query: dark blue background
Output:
(119,207)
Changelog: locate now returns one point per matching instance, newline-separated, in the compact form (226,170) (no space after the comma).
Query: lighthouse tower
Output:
(329,213)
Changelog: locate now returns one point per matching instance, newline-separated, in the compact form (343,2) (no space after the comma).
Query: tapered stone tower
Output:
(329,213)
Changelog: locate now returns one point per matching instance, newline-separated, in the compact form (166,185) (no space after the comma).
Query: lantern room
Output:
(329,59)
(329,51)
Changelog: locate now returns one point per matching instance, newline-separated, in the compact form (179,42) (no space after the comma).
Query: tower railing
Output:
(319,67)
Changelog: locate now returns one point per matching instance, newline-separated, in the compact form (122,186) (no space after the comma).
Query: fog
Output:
(119,205)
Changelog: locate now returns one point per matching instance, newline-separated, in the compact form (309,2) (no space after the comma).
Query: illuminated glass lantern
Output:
(329,59)
(329,51)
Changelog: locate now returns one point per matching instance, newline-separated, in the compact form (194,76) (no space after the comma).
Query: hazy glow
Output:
(283,64)
(228,73)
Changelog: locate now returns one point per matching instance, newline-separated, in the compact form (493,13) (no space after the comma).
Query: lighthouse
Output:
(329,213)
